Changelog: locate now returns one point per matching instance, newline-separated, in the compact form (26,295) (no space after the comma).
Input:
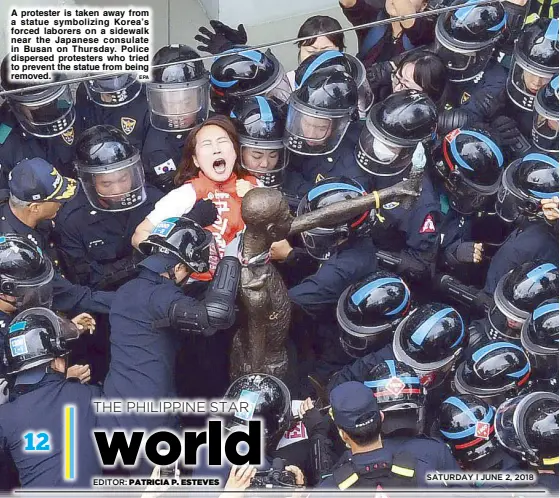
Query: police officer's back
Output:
(42,400)
(373,461)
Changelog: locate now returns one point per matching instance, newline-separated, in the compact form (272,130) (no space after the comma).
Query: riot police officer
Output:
(260,125)
(369,311)
(494,371)
(545,118)
(527,427)
(37,191)
(118,101)
(465,40)
(374,461)
(539,338)
(525,186)
(319,132)
(177,100)
(466,423)
(407,239)
(47,114)
(347,254)
(34,356)
(152,311)
(95,228)
(534,64)
(467,167)
(246,73)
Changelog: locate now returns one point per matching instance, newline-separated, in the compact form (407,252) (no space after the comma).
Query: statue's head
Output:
(265,210)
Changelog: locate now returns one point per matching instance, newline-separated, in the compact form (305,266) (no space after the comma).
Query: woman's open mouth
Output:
(219,166)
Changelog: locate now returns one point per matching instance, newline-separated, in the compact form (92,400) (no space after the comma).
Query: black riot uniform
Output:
(178,101)
(42,400)
(151,312)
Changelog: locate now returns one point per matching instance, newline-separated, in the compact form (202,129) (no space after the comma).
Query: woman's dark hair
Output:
(187,169)
(429,72)
(365,435)
(317,25)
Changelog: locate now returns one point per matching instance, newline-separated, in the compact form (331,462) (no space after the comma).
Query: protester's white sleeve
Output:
(175,204)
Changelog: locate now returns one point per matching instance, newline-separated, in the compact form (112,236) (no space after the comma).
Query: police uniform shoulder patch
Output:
(127,125)
(428,226)
(68,136)
(319,178)
(465,98)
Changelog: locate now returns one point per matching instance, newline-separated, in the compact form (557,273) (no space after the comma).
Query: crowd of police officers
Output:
(424,337)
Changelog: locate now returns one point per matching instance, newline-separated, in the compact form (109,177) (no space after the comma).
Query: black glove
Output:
(314,421)
(223,39)
(165,182)
(203,212)
(465,252)
(505,131)
(379,74)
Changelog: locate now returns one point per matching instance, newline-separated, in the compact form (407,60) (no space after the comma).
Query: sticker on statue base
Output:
(482,430)
(428,226)
(395,386)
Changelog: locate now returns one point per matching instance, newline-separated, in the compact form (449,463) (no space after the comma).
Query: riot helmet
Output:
(267,398)
(466,423)
(369,311)
(527,426)
(110,169)
(394,128)
(260,125)
(236,74)
(539,338)
(35,337)
(534,63)
(521,290)
(399,395)
(494,372)
(178,95)
(430,339)
(25,272)
(545,118)
(469,165)
(44,113)
(114,91)
(180,240)
(320,111)
(465,37)
(333,60)
(524,184)
(321,242)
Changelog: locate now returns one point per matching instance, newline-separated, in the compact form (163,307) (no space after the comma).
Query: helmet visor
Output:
(463,65)
(510,202)
(524,82)
(114,91)
(545,132)
(117,189)
(376,155)
(320,242)
(178,107)
(49,117)
(309,133)
(265,162)
(281,89)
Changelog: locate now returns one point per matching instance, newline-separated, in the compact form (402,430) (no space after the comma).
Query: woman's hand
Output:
(550,208)
(242,187)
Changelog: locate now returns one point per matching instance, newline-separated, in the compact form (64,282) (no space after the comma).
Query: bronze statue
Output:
(260,344)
